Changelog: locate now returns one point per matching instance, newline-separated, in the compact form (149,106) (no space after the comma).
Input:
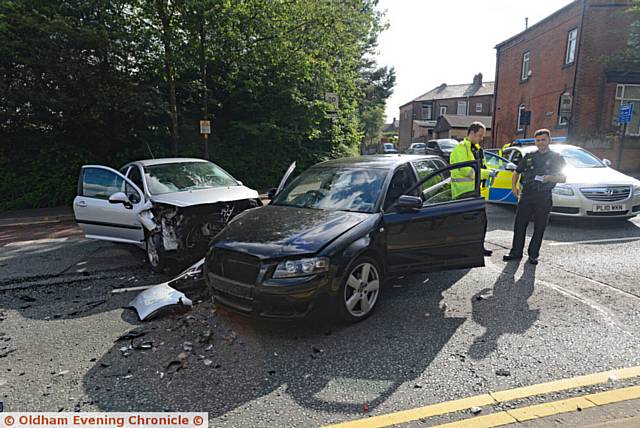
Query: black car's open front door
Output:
(446,231)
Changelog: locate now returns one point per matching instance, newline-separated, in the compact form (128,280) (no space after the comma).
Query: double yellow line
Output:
(514,415)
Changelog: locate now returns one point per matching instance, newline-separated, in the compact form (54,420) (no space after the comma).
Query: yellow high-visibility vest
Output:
(463,179)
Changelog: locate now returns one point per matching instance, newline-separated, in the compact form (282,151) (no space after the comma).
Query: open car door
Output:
(107,205)
(437,230)
(284,180)
(498,188)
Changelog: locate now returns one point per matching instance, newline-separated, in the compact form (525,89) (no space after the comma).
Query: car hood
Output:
(597,176)
(277,231)
(205,196)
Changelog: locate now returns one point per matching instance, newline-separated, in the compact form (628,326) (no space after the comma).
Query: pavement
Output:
(433,339)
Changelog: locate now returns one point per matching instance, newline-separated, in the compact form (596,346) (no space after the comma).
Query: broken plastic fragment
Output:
(158,299)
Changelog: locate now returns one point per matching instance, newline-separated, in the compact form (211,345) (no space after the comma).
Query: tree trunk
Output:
(169,69)
(203,71)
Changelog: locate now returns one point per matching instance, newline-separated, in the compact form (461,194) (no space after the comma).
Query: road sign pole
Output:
(621,147)
(206,146)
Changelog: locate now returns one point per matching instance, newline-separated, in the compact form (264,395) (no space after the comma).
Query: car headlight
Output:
(563,190)
(301,267)
(636,191)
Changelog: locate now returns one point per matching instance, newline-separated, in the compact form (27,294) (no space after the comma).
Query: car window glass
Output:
(492,160)
(136,177)
(450,185)
(100,183)
(423,168)
(334,189)
(516,157)
(132,194)
(401,181)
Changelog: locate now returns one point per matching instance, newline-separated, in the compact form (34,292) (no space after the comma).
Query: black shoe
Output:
(509,257)
(533,261)
(488,253)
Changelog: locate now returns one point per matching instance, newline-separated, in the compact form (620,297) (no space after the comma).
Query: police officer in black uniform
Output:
(540,172)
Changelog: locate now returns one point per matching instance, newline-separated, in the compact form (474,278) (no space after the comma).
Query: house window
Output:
(564,109)
(525,65)
(443,110)
(520,111)
(478,107)
(626,94)
(462,108)
(426,111)
(572,41)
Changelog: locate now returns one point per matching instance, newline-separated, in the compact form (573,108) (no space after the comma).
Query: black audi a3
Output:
(339,229)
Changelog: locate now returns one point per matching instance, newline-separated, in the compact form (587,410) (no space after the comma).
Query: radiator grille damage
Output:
(191,228)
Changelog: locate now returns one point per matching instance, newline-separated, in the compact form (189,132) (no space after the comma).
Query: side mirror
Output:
(120,198)
(510,166)
(607,162)
(271,193)
(408,203)
(239,183)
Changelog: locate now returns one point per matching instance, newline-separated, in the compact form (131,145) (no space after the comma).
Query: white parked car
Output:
(171,207)
(593,188)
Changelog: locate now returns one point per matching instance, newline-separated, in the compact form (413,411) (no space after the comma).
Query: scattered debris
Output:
(271,372)
(159,298)
(129,376)
(187,346)
(503,372)
(417,386)
(105,365)
(209,348)
(476,410)
(62,373)
(365,408)
(133,334)
(144,345)
(231,337)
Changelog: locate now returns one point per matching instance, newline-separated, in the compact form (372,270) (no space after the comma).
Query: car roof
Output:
(161,161)
(373,161)
(556,147)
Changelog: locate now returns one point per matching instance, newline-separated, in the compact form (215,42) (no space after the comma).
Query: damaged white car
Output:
(171,207)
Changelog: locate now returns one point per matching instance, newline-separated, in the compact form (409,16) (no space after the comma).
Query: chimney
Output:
(477,79)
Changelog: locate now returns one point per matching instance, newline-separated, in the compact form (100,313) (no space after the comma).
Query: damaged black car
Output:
(171,207)
(339,230)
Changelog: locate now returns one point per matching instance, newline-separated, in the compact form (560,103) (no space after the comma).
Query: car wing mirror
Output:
(271,193)
(120,198)
(510,166)
(607,162)
(408,203)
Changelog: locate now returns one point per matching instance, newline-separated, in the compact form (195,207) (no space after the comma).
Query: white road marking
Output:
(608,316)
(36,242)
(596,241)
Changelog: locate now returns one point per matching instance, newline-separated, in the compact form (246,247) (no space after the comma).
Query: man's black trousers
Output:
(537,206)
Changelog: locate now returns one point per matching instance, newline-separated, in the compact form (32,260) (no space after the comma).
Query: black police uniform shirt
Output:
(539,164)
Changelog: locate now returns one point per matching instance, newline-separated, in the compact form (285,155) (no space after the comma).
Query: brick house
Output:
(418,117)
(557,70)
(454,126)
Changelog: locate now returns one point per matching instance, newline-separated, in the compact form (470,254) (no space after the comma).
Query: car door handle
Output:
(81,204)
(471,216)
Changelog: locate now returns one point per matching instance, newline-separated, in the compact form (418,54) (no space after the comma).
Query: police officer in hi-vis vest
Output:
(540,171)
(463,179)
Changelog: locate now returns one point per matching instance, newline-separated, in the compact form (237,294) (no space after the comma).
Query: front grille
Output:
(565,210)
(235,267)
(607,213)
(607,194)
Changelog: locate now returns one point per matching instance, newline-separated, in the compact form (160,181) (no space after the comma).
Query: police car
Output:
(592,189)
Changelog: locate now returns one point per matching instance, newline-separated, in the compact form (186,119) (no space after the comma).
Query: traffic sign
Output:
(626,110)
(205,127)
(332,98)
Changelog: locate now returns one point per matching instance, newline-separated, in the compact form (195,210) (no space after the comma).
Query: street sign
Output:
(525,117)
(626,110)
(205,127)
(332,98)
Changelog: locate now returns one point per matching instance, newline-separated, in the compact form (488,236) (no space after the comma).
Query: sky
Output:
(430,42)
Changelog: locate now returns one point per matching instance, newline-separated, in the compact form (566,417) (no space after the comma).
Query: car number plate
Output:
(608,208)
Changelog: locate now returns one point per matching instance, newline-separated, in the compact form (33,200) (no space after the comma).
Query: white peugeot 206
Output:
(171,207)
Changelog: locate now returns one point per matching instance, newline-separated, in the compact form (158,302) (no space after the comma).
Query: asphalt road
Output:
(433,337)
